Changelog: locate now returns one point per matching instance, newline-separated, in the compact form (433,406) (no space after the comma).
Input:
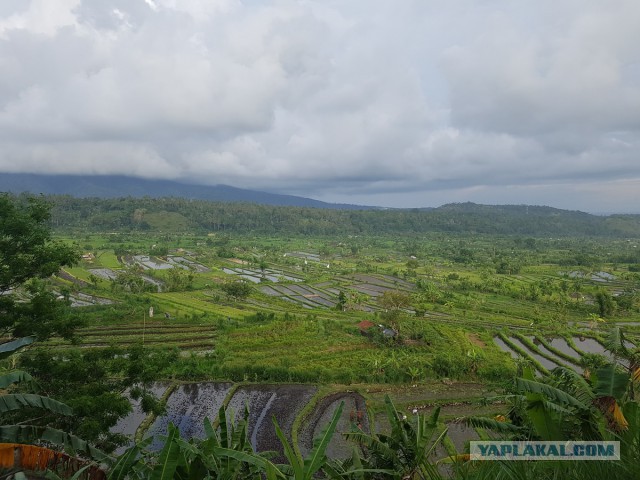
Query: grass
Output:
(322,344)
(107,259)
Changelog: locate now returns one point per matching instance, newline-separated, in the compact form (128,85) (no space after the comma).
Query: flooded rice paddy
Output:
(325,295)
(583,345)
(189,404)
(187,407)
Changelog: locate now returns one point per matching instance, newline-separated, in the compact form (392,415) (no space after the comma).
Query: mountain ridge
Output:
(115,186)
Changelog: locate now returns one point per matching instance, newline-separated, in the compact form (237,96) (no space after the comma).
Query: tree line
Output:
(153,213)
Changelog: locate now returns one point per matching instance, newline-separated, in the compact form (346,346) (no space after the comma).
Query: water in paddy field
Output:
(150,263)
(560,361)
(505,348)
(187,408)
(129,424)
(266,401)
(256,276)
(105,273)
(589,345)
(562,345)
(548,364)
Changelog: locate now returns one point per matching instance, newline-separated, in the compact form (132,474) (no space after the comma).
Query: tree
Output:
(237,289)
(263,266)
(13,402)
(93,382)
(28,255)
(342,301)
(606,303)
(130,279)
(394,300)
(177,279)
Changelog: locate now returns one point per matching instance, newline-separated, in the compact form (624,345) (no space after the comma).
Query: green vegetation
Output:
(407,303)
(175,215)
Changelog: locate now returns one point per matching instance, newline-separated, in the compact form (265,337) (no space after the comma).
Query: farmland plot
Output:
(187,407)
(147,262)
(265,401)
(315,297)
(104,273)
(129,424)
(187,264)
(256,276)
(83,300)
(505,348)
(354,412)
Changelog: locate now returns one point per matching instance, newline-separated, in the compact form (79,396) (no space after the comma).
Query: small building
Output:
(389,333)
(365,325)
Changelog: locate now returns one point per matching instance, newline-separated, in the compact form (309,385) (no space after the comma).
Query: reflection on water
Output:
(505,348)
(548,364)
(187,408)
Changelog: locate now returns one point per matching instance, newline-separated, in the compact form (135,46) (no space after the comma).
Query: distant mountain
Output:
(114,186)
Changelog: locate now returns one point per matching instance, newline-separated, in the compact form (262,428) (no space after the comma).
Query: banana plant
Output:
(404,453)
(20,436)
(557,407)
(626,355)
(300,468)
(225,454)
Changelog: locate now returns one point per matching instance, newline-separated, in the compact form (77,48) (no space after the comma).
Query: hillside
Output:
(180,215)
(111,186)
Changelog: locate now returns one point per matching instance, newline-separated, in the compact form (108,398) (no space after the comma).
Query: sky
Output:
(404,103)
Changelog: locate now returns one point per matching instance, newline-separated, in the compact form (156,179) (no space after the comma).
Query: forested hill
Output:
(180,215)
(115,186)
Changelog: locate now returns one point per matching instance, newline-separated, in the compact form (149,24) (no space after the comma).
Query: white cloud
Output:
(41,17)
(339,100)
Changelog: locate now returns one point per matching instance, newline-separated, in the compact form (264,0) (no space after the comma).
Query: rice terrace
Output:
(428,314)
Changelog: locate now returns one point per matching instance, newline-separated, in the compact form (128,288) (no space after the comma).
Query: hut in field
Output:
(364,326)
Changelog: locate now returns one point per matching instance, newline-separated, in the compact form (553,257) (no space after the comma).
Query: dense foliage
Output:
(173,214)
(27,255)
(409,301)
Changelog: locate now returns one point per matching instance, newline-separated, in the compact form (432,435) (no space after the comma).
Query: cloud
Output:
(350,101)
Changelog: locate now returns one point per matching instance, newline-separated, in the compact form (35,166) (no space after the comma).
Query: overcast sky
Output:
(401,103)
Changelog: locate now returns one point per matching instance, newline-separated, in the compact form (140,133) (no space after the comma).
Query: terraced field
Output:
(186,337)
(550,353)
(189,404)
(325,295)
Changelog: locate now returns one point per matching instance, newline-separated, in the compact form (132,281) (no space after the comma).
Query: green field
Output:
(298,320)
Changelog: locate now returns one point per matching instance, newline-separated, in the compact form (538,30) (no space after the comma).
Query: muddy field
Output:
(189,404)
(266,401)
(353,413)
(187,407)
